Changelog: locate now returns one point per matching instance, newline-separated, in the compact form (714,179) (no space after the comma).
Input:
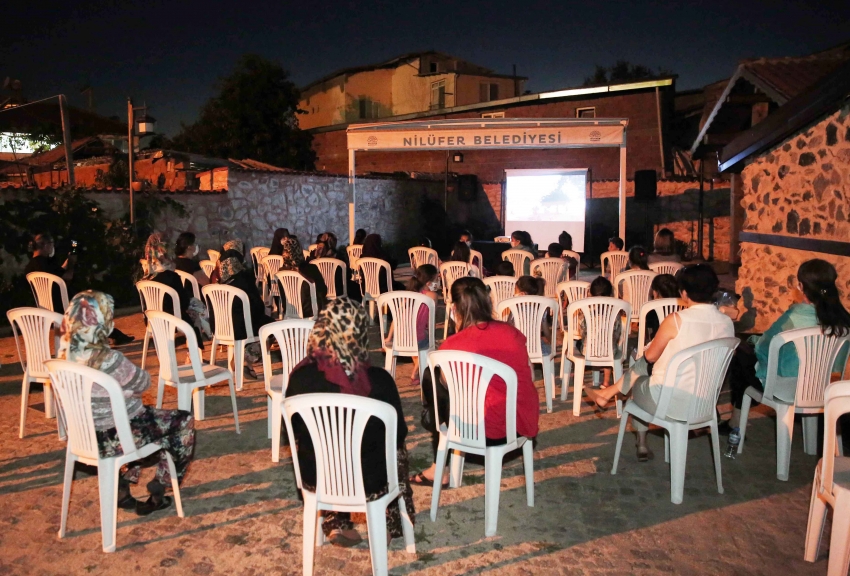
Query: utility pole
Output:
(66,138)
(130,158)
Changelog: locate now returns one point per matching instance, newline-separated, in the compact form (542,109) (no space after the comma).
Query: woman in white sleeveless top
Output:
(700,322)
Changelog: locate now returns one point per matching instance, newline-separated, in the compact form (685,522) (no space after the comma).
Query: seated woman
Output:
(637,259)
(186,251)
(477,332)
(293,259)
(462,253)
(276,248)
(233,273)
(521,240)
(601,287)
(535,286)
(85,329)
(505,268)
(700,322)
(373,248)
(664,247)
(662,286)
(338,362)
(359,237)
(569,271)
(819,305)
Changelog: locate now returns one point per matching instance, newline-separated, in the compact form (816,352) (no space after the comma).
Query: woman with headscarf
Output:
(373,248)
(338,362)
(293,259)
(85,329)
(232,271)
(276,248)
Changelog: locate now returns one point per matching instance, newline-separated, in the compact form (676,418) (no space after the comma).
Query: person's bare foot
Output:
(600,401)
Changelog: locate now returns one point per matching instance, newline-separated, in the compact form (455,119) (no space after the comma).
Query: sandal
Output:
(644,455)
(344,538)
(419,479)
(594,397)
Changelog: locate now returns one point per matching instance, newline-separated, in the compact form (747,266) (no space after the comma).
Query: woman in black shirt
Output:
(293,259)
(186,251)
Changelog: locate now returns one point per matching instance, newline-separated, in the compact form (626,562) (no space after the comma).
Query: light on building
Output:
(458,157)
(145,124)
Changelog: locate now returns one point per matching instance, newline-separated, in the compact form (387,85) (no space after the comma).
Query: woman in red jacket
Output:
(477,332)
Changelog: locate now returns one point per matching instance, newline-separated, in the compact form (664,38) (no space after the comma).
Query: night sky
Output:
(170,54)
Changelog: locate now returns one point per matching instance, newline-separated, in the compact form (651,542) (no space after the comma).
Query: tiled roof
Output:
(105,190)
(784,78)
(249,165)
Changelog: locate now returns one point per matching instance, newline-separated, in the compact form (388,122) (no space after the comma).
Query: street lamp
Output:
(144,126)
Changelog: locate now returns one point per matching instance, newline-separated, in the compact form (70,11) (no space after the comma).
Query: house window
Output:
(488,91)
(367,108)
(493,115)
(589,112)
(433,67)
(438,95)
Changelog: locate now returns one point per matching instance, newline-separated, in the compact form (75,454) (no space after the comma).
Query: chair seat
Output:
(211,372)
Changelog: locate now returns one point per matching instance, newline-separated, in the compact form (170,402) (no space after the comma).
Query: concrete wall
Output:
(468,88)
(800,188)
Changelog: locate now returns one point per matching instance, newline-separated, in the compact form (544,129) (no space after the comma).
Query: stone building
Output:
(795,193)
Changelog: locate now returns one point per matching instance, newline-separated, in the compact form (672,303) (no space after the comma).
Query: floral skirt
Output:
(174,430)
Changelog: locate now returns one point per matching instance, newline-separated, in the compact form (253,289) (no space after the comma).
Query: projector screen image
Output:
(545,203)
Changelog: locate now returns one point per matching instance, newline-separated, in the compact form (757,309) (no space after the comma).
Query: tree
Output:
(252,116)
(623,71)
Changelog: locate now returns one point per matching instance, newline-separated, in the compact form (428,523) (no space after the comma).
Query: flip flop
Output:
(419,479)
(644,455)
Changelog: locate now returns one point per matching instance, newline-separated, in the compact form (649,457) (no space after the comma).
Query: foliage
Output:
(41,139)
(252,116)
(116,176)
(623,71)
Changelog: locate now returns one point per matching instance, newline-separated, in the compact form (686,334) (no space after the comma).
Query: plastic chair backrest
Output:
(501,288)
(665,267)
(257,255)
(152,295)
(41,284)
(271,264)
(635,285)
(528,314)
(370,272)
(420,255)
(207,266)
(613,263)
(336,423)
(836,404)
(311,247)
(34,326)
(354,253)
(600,313)
(816,353)
(220,299)
(567,293)
(305,253)
(449,272)
(404,308)
(190,278)
(710,361)
(552,270)
(572,254)
(213,255)
(73,384)
(291,337)
(517,258)
(662,307)
(328,268)
(165,328)
(476,259)
(291,282)
(467,378)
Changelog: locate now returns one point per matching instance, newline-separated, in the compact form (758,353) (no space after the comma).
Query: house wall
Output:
(324,104)
(145,170)
(467,88)
(376,86)
(800,188)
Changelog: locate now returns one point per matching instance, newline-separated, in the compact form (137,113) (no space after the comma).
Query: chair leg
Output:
(810,435)
(784,434)
(620,434)
(407,527)
(839,541)
(269,415)
(438,476)
(49,406)
(160,392)
(376,525)
(528,467)
(715,449)
(389,362)
(145,344)
(309,528)
(25,397)
(66,491)
(233,403)
(678,460)
(107,480)
(175,485)
(239,368)
(548,366)
(213,347)
(566,369)
(745,416)
(458,459)
(578,386)
(817,517)
(199,400)
(184,397)
(276,422)
(492,488)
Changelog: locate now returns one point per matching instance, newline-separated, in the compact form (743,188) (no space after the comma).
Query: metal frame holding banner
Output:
(489,134)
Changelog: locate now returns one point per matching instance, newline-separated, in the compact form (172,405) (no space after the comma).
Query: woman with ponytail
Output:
(820,305)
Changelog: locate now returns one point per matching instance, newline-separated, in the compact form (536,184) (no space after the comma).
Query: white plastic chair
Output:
(328,268)
(207,266)
(449,272)
(468,376)
(662,307)
(404,308)
(191,379)
(34,326)
(336,423)
(370,275)
(517,258)
(476,256)
(354,253)
(613,263)
(501,288)
(41,284)
(213,255)
(694,407)
(801,394)
(311,247)
(305,253)
(74,384)
(529,313)
(567,293)
(291,337)
(635,288)
(420,255)
(292,282)
(574,255)
(220,298)
(600,313)
(190,278)
(152,295)
(146,268)
(831,487)
(257,254)
(553,271)
(665,267)
(271,294)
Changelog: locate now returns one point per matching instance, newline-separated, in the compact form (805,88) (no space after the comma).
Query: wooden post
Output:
(351,205)
(130,158)
(623,188)
(66,139)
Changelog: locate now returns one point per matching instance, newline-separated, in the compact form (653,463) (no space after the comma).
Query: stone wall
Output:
(798,188)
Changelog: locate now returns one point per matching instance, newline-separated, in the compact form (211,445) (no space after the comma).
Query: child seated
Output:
(534,286)
(601,286)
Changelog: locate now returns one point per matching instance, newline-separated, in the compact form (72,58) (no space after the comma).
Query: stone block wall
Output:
(799,188)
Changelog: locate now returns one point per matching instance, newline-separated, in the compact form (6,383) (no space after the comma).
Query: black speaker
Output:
(645,186)
(467,187)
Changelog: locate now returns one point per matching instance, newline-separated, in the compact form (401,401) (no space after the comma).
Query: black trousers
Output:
(742,373)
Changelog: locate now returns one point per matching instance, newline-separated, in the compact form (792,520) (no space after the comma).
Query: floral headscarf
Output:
(235,244)
(157,256)
(86,327)
(293,254)
(339,346)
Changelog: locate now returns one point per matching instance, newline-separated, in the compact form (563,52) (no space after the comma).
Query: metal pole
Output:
(351,205)
(660,136)
(623,189)
(446,186)
(130,158)
(701,193)
(66,139)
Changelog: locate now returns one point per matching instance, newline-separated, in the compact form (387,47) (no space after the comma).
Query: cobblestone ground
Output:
(243,513)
